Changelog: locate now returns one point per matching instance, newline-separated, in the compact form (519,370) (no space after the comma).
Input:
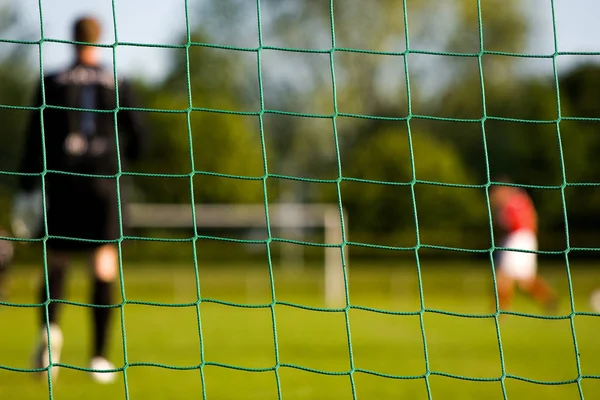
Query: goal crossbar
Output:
(232,215)
(282,215)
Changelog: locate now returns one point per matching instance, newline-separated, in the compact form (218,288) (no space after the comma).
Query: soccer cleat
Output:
(100,364)
(41,354)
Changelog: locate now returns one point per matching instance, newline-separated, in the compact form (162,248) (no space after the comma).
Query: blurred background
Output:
(454,147)
(528,108)
(449,149)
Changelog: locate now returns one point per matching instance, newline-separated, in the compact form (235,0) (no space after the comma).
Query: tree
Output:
(383,208)
(529,150)
(366,81)
(216,142)
(16,83)
(367,84)
(581,144)
(16,87)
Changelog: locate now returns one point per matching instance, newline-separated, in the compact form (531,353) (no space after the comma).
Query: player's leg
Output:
(539,289)
(505,285)
(104,262)
(528,279)
(57,269)
(595,300)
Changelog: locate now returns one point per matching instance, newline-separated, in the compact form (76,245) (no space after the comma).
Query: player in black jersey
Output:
(82,211)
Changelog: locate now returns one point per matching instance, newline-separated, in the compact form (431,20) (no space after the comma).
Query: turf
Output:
(238,338)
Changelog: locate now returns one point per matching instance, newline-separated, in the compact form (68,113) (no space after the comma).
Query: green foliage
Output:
(207,80)
(387,205)
(16,78)
(15,90)
(581,145)
(221,143)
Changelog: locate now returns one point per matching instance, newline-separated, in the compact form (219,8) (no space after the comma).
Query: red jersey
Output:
(518,213)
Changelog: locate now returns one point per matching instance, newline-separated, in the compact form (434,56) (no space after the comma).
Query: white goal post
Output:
(281,215)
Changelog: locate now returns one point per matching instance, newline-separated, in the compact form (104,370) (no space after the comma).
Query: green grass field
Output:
(533,348)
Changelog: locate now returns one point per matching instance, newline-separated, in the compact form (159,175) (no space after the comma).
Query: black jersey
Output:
(76,140)
(87,140)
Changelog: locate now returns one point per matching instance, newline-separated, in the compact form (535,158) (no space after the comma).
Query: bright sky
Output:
(163,21)
(140,21)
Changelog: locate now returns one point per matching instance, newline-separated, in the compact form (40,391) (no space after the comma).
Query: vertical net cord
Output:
(343,244)
(120,211)
(266,201)
(44,201)
(564,202)
(413,181)
(192,198)
(497,313)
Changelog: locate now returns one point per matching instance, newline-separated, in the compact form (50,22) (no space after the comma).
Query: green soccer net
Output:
(419,324)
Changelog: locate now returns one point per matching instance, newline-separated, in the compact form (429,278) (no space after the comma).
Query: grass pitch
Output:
(164,348)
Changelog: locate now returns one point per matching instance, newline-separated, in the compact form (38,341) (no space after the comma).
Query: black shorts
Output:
(84,212)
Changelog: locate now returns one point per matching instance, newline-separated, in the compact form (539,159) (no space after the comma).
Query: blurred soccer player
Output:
(516,215)
(79,206)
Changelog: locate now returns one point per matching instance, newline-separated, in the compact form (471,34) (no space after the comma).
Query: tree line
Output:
(415,138)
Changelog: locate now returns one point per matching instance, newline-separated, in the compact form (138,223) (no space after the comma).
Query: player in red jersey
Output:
(516,216)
